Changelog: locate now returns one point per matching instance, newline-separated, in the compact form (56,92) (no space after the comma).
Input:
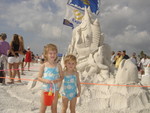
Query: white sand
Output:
(20,98)
(17,98)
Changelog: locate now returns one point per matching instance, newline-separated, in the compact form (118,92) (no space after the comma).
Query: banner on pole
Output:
(81,4)
(73,16)
(75,11)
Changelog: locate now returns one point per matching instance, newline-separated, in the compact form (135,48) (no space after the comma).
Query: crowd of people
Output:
(140,61)
(12,58)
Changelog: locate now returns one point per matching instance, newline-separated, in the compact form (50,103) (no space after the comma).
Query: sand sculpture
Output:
(94,66)
(145,80)
(124,76)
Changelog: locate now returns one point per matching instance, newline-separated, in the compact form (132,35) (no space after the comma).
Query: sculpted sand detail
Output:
(94,66)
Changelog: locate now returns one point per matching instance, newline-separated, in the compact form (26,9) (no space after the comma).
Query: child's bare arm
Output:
(59,80)
(40,75)
(78,84)
(60,71)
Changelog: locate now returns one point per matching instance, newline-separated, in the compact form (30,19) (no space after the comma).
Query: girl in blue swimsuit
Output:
(50,72)
(71,84)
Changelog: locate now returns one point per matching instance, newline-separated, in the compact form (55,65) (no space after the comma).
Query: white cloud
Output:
(49,31)
(131,40)
(126,24)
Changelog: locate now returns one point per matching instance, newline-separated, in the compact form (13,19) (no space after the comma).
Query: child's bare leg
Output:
(43,107)
(73,105)
(55,101)
(64,104)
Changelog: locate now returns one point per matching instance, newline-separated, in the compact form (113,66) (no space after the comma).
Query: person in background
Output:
(113,57)
(42,58)
(144,62)
(36,58)
(33,57)
(118,59)
(13,58)
(124,55)
(4,47)
(148,65)
(72,87)
(28,58)
(133,58)
(21,53)
(50,72)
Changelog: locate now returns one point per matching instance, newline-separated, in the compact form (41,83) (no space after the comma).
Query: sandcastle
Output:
(94,66)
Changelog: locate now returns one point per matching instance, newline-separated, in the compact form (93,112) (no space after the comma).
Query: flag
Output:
(73,16)
(75,11)
(68,23)
(81,4)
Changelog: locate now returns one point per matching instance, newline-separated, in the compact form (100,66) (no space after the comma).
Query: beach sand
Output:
(21,98)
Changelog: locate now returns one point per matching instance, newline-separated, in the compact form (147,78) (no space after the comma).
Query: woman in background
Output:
(21,53)
(13,58)
(28,58)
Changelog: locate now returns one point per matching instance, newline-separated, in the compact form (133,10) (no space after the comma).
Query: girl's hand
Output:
(47,81)
(57,80)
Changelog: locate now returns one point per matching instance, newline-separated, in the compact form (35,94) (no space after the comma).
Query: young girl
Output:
(49,73)
(71,84)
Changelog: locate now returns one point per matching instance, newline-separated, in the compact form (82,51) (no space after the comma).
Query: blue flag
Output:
(81,4)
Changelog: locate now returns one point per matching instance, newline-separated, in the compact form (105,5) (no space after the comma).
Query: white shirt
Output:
(113,58)
(133,60)
(145,62)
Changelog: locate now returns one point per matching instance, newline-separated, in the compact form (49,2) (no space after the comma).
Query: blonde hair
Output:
(70,58)
(21,43)
(47,48)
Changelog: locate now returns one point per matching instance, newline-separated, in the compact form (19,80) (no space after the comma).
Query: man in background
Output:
(124,55)
(4,47)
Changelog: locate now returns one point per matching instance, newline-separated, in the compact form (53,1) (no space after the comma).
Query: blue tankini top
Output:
(70,86)
(50,74)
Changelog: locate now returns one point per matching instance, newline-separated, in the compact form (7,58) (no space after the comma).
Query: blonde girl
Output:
(21,53)
(71,84)
(49,73)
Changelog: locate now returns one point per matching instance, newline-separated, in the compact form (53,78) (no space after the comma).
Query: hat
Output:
(28,48)
(3,36)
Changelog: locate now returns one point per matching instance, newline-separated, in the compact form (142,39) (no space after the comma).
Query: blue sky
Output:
(125,23)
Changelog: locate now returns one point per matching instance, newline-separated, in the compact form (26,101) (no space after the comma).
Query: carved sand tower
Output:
(94,66)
